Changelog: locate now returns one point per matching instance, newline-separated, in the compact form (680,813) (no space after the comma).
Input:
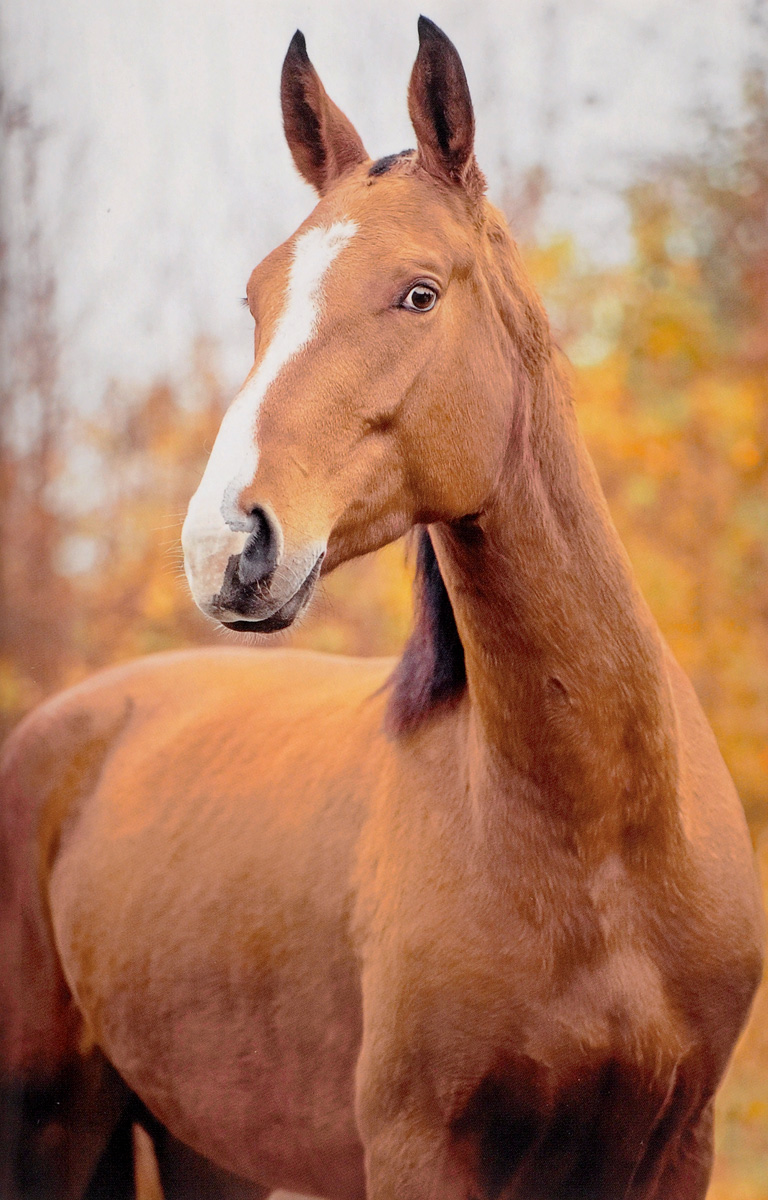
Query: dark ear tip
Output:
(428,31)
(298,47)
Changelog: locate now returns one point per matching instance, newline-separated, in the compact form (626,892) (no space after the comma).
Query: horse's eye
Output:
(420,298)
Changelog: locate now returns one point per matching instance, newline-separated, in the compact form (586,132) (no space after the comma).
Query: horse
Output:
(479,924)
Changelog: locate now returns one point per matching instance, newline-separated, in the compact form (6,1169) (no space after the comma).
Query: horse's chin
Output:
(285,615)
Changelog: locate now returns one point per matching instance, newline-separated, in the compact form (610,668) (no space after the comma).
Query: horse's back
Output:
(199,703)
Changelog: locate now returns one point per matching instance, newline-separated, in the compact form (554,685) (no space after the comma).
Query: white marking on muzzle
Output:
(215,528)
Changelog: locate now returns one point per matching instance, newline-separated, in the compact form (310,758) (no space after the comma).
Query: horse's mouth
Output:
(286,614)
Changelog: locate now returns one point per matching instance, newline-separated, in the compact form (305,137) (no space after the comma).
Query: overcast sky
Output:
(163,175)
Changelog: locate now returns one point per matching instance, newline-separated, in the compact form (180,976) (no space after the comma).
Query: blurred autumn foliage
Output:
(671,381)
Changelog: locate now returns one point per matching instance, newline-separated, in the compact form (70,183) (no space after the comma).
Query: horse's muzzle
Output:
(248,599)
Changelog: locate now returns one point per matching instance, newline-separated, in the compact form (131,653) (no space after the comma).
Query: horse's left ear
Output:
(323,142)
(441,111)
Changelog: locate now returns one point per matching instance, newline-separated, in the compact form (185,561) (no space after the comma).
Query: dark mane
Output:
(431,669)
(383,165)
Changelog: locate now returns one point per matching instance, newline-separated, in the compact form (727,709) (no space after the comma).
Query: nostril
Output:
(258,558)
(254,520)
(257,525)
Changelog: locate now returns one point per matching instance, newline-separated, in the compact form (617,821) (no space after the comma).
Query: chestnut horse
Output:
(480,924)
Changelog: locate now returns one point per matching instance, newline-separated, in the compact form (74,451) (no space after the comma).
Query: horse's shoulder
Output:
(711,812)
(718,874)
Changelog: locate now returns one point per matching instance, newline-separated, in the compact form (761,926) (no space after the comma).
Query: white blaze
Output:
(214,527)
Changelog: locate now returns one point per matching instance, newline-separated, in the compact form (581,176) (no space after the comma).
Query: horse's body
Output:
(487,927)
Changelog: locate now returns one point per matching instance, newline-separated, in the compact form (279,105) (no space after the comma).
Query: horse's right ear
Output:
(324,144)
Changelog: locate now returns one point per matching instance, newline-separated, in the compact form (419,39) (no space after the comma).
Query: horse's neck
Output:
(565,666)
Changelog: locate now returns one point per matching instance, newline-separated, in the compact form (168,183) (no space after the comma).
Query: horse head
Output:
(394,331)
